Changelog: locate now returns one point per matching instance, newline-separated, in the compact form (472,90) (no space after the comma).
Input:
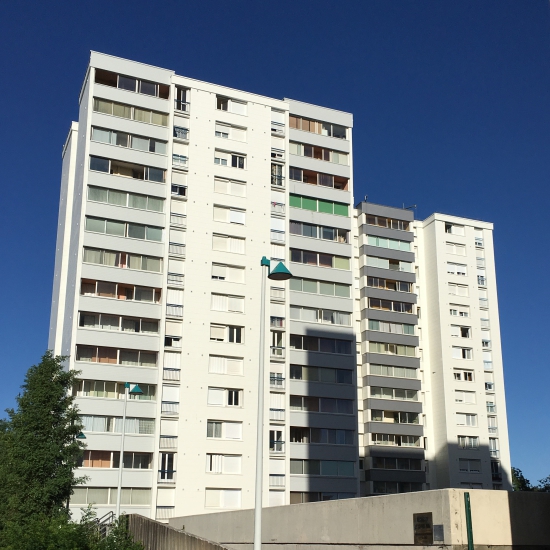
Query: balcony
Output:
(277,128)
(171,374)
(179,160)
(488,365)
(169,408)
(494,453)
(479,242)
(276,480)
(491,408)
(483,303)
(277,294)
(277,181)
(181,133)
(178,219)
(167,476)
(174,310)
(489,386)
(165,512)
(182,106)
(276,381)
(277,236)
(168,442)
(497,476)
(177,248)
(486,344)
(277,322)
(175,279)
(480,262)
(481,280)
(278,208)
(277,415)
(277,352)
(178,190)
(276,447)
(493,429)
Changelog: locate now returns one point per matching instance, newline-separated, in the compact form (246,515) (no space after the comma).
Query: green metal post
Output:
(469,530)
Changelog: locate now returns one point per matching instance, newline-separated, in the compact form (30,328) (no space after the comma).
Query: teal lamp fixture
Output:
(280,273)
(136,390)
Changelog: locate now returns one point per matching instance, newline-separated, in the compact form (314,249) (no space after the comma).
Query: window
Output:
(121,198)
(94,354)
(458,331)
(458,310)
(478,235)
(393,393)
(463,375)
(453,229)
(108,78)
(222,397)
(464,419)
(318,205)
(457,269)
(219,429)
(392,349)
(321,404)
(225,365)
(226,243)
(466,397)
(122,260)
(468,442)
(493,447)
(319,232)
(469,465)
(398,372)
(103,321)
(320,287)
(229,187)
(229,215)
(128,111)
(123,229)
(322,467)
(222,302)
(312,177)
(390,223)
(321,374)
(324,345)
(390,305)
(119,291)
(222,498)
(227,131)
(318,153)
(389,284)
(393,244)
(394,328)
(224,333)
(123,139)
(326,316)
(113,424)
(326,436)
(319,259)
(392,463)
(108,495)
(461,353)
(317,127)
(393,440)
(232,274)
(393,265)
(223,464)
(454,248)
(127,169)
(394,417)
(458,290)
(231,105)
(234,160)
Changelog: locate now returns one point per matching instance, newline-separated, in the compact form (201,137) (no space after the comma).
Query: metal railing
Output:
(481,280)
(277,236)
(479,241)
(277,322)
(174,310)
(169,407)
(171,374)
(494,453)
(184,187)
(485,343)
(491,408)
(168,442)
(167,476)
(177,248)
(179,160)
(488,365)
(277,181)
(489,386)
(165,512)
(276,381)
(277,128)
(483,302)
(496,476)
(178,219)
(277,446)
(276,480)
(277,294)
(180,105)
(480,262)
(175,279)
(278,208)
(493,429)
(277,352)
(277,415)
(181,133)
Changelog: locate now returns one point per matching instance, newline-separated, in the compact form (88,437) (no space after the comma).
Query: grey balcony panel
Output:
(302,136)
(323,484)
(392,405)
(322,330)
(321,273)
(390,316)
(397,429)
(320,301)
(323,452)
(120,307)
(130,185)
(318,359)
(117,339)
(320,245)
(114,407)
(319,218)
(392,382)
(395,360)
(390,338)
(111,442)
(406,297)
(387,274)
(122,244)
(413,476)
(322,420)
(322,389)
(106,371)
(320,191)
(387,211)
(380,252)
(394,452)
(323,166)
(386,232)
(122,213)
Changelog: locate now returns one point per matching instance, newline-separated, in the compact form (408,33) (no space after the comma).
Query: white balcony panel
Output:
(114,152)
(323,166)
(129,184)
(114,407)
(108,477)
(117,339)
(132,98)
(123,244)
(120,275)
(130,126)
(311,138)
(113,306)
(106,371)
(123,213)
(111,442)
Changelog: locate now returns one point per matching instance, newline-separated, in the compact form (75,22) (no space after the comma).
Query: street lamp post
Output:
(136,390)
(280,273)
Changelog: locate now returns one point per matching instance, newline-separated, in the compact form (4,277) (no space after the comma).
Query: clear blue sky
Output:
(451,105)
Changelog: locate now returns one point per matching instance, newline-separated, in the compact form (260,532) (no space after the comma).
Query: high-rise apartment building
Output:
(172,191)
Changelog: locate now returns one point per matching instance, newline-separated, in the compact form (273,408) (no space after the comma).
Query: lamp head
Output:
(136,390)
(81,436)
(280,273)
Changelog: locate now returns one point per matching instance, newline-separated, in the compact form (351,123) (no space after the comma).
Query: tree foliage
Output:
(521,483)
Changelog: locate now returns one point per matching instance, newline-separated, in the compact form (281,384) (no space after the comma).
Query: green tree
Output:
(544,485)
(519,481)
(38,446)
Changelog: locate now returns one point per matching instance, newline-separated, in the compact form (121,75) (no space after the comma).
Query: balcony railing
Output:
(277,181)
(479,241)
(277,446)
(277,322)
(486,343)
(480,262)
(278,208)
(177,219)
(167,476)
(481,280)
(493,429)
(171,374)
(168,442)
(277,352)
(174,310)
(277,128)
(182,106)
(176,279)
(495,453)
(484,303)
(277,236)
(491,408)
(276,381)
(177,248)
(488,365)
(169,407)
(165,512)
(497,476)
(277,415)
(179,160)
(181,133)
(179,190)
(277,295)
(489,386)
(276,480)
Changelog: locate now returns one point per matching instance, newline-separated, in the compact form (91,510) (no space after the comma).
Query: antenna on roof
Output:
(409,207)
